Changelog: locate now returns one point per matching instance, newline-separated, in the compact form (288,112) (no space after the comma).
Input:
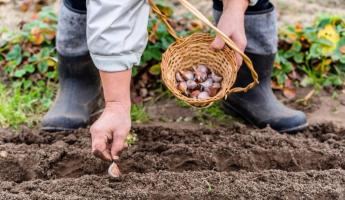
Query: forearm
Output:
(116,87)
(235,5)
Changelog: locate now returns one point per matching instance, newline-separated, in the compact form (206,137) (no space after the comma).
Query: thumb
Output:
(100,149)
(218,43)
(117,146)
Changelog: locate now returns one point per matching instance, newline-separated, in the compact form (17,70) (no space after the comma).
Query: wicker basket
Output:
(195,49)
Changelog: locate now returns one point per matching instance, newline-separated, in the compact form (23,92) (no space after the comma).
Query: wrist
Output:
(116,87)
(115,106)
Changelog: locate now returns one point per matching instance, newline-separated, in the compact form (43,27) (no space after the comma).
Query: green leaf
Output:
(315,51)
(296,46)
(342,59)
(298,58)
(29,68)
(43,66)
(155,69)
(27,84)
(152,53)
(19,73)
(325,42)
(15,53)
(134,71)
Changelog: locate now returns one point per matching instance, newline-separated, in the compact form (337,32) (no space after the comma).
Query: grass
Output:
(23,108)
(210,116)
(213,116)
(139,114)
(20,107)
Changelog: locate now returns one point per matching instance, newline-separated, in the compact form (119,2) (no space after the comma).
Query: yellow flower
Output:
(329,33)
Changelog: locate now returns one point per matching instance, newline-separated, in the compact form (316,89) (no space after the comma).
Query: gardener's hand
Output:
(232,24)
(109,132)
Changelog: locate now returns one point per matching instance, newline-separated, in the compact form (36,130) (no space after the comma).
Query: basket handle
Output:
(226,39)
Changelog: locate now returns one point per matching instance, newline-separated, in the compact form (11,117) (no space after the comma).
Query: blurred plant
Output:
(139,114)
(29,56)
(28,66)
(311,56)
(18,107)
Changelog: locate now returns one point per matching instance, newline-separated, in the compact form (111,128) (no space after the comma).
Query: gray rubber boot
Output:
(80,91)
(259,106)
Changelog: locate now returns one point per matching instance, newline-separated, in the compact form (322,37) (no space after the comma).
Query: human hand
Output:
(109,132)
(232,24)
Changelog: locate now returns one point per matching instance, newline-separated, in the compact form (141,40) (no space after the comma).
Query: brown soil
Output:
(167,163)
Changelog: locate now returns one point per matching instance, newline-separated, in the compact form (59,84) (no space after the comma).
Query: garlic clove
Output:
(216,85)
(195,94)
(208,83)
(216,78)
(212,91)
(191,85)
(187,75)
(202,68)
(114,170)
(203,96)
(179,77)
(182,87)
(200,76)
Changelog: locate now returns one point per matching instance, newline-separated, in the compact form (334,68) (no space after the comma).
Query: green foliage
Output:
(312,55)
(139,114)
(29,55)
(160,39)
(27,58)
(131,139)
(18,107)
(211,114)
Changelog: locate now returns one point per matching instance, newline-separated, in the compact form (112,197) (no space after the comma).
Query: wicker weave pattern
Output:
(194,50)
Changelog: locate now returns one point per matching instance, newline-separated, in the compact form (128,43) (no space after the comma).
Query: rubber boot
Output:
(259,106)
(80,92)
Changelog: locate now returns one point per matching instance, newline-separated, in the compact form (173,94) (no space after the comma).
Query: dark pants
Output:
(260,6)
(79,6)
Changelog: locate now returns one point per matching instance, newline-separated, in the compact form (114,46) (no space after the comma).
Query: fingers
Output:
(100,147)
(241,41)
(118,144)
(218,43)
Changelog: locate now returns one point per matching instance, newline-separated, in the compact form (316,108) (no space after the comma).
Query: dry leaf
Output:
(342,49)
(289,93)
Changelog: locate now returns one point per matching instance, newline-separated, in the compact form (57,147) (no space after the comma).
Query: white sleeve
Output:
(117,32)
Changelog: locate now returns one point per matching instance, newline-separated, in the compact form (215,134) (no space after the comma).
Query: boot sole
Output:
(93,117)
(230,110)
(57,129)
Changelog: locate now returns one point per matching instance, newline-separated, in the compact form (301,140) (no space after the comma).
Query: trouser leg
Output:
(79,84)
(259,106)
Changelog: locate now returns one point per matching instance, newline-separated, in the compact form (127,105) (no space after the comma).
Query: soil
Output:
(178,163)
(176,158)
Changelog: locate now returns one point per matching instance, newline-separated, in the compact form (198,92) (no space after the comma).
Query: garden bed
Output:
(169,163)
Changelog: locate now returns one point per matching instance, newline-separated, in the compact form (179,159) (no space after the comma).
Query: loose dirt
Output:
(170,163)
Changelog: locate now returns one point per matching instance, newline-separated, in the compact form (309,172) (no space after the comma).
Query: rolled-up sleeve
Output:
(117,32)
